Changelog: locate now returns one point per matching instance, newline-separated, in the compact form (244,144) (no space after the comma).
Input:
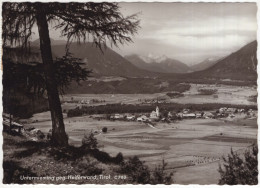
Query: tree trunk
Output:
(59,136)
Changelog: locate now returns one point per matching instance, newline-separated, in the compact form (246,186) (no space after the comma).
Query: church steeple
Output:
(157,111)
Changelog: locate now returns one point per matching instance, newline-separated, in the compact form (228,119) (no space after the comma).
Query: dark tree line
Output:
(30,78)
(147,108)
(26,81)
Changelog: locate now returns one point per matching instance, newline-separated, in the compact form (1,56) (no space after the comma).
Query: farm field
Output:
(226,94)
(192,148)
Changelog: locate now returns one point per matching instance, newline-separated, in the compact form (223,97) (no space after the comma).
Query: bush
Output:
(88,167)
(240,170)
(207,91)
(252,98)
(141,174)
(75,112)
(12,172)
(89,141)
(104,129)
(102,156)
(174,94)
(159,175)
(119,158)
(136,170)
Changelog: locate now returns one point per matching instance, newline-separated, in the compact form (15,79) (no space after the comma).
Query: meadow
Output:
(192,148)
(187,146)
(226,94)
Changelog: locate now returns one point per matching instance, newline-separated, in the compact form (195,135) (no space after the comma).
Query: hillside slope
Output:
(204,64)
(240,65)
(108,63)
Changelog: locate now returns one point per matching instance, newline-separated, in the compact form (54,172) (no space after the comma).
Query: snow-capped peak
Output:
(153,58)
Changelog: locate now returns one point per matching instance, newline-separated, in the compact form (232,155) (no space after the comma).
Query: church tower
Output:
(157,111)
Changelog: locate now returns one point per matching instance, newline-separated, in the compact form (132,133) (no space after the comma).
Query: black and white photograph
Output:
(129,93)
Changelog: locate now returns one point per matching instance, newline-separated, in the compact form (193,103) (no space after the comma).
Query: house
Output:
(241,110)
(130,117)
(208,115)
(117,116)
(251,112)
(231,110)
(221,114)
(179,115)
(198,115)
(221,110)
(142,118)
(189,115)
(83,102)
(185,111)
(112,117)
(153,115)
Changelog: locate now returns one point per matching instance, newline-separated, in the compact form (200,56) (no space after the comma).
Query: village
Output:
(156,115)
(169,116)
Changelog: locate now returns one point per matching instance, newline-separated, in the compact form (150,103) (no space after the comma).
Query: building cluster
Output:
(184,114)
(232,112)
(157,116)
(92,101)
(158,100)
(85,101)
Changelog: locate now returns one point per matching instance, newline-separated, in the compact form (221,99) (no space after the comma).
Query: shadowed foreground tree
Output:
(240,169)
(24,84)
(98,22)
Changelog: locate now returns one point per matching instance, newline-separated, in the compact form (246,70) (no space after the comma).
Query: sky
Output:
(189,32)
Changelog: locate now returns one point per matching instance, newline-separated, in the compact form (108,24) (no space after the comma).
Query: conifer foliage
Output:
(96,22)
(240,170)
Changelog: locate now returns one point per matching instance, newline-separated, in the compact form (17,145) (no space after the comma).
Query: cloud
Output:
(192,30)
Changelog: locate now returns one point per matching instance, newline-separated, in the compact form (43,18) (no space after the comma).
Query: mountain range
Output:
(160,64)
(240,65)
(105,62)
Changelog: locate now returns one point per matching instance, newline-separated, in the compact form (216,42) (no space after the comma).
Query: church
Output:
(155,114)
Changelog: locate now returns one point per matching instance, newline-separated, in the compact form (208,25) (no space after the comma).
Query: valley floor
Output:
(225,94)
(193,149)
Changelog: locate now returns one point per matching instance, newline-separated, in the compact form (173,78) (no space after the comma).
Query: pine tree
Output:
(76,21)
(240,170)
